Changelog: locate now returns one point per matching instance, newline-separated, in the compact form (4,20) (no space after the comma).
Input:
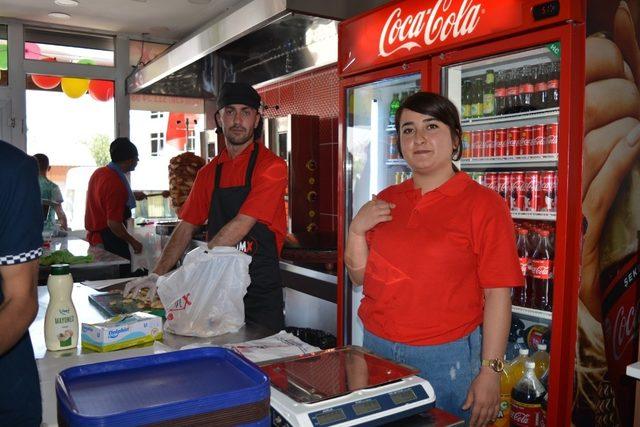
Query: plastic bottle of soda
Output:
(542,273)
(553,81)
(507,381)
(522,244)
(488,97)
(525,89)
(466,98)
(512,103)
(393,107)
(540,86)
(541,358)
(500,92)
(527,398)
(517,364)
(476,97)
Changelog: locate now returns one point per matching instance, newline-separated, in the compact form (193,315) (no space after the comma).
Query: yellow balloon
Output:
(74,87)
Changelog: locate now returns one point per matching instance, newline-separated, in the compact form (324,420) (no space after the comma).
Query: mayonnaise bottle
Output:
(61,320)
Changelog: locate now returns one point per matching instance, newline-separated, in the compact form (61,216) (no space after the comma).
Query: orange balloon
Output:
(46,82)
(74,87)
(101,90)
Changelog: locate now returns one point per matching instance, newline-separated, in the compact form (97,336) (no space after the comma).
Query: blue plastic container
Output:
(210,385)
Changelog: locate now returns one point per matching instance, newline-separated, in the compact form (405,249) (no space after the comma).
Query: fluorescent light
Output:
(59,15)
(69,3)
(199,1)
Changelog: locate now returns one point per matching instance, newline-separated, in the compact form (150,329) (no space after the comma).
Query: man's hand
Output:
(612,137)
(137,246)
(20,304)
(483,398)
(133,288)
(371,214)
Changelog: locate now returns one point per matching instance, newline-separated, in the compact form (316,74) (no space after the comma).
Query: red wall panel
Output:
(314,93)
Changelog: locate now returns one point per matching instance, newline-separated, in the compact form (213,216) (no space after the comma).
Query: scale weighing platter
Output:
(344,386)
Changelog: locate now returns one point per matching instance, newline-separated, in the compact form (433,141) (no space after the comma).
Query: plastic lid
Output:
(542,347)
(529,364)
(523,231)
(60,269)
(524,351)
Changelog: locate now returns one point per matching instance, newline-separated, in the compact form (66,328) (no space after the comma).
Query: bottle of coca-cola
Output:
(541,271)
(525,89)
(527,398)
(512,102)
(500,92)
(553,82)
(540,86)
(522,244)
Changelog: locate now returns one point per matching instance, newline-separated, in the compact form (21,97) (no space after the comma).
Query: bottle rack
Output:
(533,161)
(531,312)
(534,216)
(525,117)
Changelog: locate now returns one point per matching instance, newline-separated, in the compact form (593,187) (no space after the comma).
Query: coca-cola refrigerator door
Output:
(511,108)
(372,161)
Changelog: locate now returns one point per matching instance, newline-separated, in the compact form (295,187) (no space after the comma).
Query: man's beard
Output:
(238,140)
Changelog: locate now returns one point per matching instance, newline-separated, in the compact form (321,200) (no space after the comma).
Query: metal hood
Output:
(259,41)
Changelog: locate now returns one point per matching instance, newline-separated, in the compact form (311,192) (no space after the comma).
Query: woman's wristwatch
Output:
(496,364)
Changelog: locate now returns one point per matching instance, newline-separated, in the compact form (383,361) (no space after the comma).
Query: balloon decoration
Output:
(3,56)
(101,90)
(46,82)
(74,87)
(32,51)
(86,61)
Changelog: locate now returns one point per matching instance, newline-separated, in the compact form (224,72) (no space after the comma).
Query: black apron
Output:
(263,303)
(113,243)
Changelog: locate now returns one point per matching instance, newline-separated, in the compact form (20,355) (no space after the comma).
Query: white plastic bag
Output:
(204,297)
(151,248)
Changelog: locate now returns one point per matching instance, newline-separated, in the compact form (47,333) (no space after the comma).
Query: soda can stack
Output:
(517,193)
(527,140)
(487,143)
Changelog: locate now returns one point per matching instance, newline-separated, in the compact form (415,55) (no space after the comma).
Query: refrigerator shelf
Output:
(538,115)
(390,128)
(540,160)
(534,216)
(531,312)
(396,162)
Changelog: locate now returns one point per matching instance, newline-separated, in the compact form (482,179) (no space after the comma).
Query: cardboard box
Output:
(122,331)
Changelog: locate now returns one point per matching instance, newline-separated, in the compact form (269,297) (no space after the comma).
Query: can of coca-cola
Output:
(504,181)
(500,142)
(551,138)
(476,143)
(532,191)
(548,192)
(480,178)
(491,180)
(555,190)
(513,140)
(487,143)
(537,141)
(517,191)
(524,143)
(466,144)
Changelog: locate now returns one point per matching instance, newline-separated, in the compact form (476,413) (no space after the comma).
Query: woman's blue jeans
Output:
(450,367)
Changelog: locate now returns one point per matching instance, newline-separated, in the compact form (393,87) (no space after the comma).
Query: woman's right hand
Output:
(371,214)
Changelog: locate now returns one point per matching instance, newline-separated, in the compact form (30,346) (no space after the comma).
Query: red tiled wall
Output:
(314,93)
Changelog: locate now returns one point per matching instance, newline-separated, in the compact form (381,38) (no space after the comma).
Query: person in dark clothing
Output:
(20,247)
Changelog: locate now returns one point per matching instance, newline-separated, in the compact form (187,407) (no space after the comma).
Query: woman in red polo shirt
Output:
(437,258)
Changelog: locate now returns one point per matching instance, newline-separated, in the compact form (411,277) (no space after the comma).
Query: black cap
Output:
(238,93)
(122,149)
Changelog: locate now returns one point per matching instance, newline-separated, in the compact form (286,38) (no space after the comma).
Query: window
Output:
(71,47)
(157,143)
(4,56)
(157,114)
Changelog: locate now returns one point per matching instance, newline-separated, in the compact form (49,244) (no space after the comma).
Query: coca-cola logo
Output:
(540,269)
(623,330)
(547,185)
(538,140)
(552,139)
(517,185)
(427,26)
(520,417)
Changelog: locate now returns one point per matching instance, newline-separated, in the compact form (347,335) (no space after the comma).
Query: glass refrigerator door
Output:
(372,159)
(510,112)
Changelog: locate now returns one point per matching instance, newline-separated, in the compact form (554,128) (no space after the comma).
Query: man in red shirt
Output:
(240,195)
(110,200)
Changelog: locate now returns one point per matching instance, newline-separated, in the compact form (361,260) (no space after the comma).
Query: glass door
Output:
(372,159)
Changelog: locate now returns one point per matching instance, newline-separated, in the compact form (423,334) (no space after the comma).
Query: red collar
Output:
(225,157)
(452,187)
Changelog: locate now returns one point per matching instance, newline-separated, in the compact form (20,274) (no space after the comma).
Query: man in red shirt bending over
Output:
(240,195)
(110,200)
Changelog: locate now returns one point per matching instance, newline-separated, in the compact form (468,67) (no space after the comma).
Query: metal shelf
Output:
(539,160)
(396,162)
(508,118)
(531,312)
(535,216)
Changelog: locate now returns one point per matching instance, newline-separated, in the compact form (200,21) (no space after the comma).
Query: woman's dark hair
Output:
(438,107)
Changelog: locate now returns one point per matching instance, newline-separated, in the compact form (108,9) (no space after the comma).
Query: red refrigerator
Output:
(469,50)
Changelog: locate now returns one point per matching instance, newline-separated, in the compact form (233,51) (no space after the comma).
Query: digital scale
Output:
(344,386)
